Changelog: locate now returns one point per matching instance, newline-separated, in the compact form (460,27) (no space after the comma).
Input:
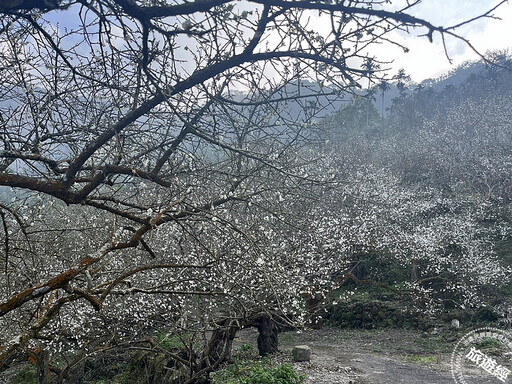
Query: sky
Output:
(428,60)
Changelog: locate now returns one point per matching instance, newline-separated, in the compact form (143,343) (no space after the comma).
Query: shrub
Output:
(257,372)
(27,375)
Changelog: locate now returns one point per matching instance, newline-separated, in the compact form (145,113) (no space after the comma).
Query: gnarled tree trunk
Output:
(267,339)
(221,344)
(43,358)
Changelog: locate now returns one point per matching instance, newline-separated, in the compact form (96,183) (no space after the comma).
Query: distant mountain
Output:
(456,76)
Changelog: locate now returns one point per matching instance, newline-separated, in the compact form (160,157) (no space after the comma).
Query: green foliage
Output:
(27,375)
(125,377)
(170,342)
(422,359)
(486,314)
(257,372)
(246,348)
(488,342)
(246,352)
(360,115)
(107,368)
(492,346)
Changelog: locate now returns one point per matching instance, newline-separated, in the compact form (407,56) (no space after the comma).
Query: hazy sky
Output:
(427,60)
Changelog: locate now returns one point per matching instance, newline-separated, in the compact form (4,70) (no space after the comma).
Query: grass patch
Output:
(421,359)
(246,352)
(257,372)
(249,368)
(436,344)
(488,343)
(491,346)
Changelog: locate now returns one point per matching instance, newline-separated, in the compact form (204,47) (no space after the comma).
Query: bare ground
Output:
(374,356)
(383,356)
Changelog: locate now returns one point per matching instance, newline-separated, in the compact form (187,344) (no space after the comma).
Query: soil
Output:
(341,356)
(354,356)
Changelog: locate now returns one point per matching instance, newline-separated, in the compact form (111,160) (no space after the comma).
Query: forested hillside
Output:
(433,182)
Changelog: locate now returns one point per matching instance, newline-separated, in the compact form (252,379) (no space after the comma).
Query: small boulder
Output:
(301,353)
(455,324)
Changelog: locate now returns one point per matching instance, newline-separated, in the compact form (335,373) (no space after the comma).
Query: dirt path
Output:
(326,367)
(367,369)
(374,357)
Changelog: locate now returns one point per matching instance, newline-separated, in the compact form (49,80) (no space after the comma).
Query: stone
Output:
(301,353)
(455,324)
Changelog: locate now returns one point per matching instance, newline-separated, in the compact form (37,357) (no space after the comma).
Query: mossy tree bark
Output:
(43,358)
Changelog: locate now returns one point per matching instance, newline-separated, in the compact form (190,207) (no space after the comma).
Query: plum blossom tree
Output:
(155,155)
(433,195)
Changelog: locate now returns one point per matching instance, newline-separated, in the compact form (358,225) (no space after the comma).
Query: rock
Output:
(301,353)
(455,324)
